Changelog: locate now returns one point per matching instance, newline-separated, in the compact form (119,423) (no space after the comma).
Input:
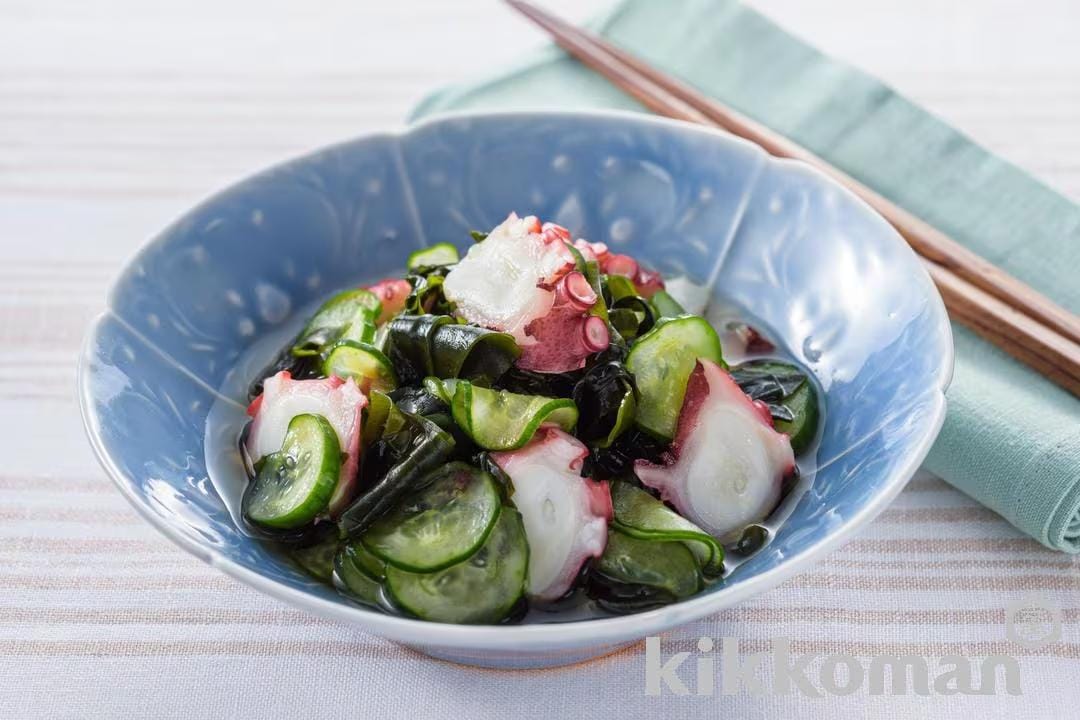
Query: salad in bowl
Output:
(553,447)
(536,428)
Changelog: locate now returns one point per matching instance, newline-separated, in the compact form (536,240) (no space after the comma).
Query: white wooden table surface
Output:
(117,115)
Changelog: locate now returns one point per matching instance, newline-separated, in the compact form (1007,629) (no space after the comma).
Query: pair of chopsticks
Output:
(979,295)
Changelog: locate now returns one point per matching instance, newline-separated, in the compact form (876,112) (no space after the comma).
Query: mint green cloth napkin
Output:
(1011,440)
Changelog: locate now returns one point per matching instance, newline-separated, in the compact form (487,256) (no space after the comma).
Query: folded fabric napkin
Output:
(1011,439)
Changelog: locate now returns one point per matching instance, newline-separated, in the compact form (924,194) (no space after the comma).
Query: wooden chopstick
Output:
(1035,345)
(983,297)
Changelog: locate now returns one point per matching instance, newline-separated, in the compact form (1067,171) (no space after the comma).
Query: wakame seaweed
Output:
(438,468)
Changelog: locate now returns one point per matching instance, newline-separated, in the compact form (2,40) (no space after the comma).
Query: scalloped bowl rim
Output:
(541,636)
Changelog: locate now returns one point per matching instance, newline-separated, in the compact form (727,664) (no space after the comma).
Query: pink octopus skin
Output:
(554,329)
(567,335)
(566,516)
(727,463)
(509,280)
(646,281)
(392,293)
(339,401)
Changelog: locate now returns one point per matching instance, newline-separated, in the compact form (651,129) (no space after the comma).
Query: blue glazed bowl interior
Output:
(846,296)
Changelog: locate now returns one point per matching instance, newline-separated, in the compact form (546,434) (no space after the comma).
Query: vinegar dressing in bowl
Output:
(743,338)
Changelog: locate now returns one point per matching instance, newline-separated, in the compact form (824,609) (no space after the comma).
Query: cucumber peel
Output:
(294,485)
(484,588)
(317,560)
(362,362)
(377,411)
(661,361)
(356,576)
(665,305)
(502,420)
(791,397)
(348,315)
(443,253)
(640,515)
(668,568)
(440,525)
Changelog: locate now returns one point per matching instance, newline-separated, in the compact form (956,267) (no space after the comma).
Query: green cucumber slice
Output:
(362,362)
(353,576)
(485,588)
(442,389)
(443,253)
(442,524)
(667,567)
(294,484)
(502,420)
(665,305)
(778,384)
(317,560)
(640,515)
(348,314)
(624,418)
(661,361)
(377,411)
(802,429)
(372,566)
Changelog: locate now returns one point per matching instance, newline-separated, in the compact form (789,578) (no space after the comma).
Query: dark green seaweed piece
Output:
(349,315)
(618,459)
(528,382)
(315,554)
(632,316)
(300,368)
(427,291)
(605,402)
(394,466)
(418,401)
(422,345)
(644,572)
(791,397)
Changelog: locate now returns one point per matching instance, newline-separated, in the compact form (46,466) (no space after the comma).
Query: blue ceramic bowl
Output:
(841,289)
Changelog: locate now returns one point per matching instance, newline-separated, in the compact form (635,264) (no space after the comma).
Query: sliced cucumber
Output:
(294,484)
(661,361)
(502,420)
(623,419)
(350,315)
(485,588)
(789,393)
(442,253)
(353,574)
(667,567)
(442,389)
(318,559)
(376,413)
(802,428)
(665,305)
(640,515)
(442,524)
(362,362)
(368,563)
